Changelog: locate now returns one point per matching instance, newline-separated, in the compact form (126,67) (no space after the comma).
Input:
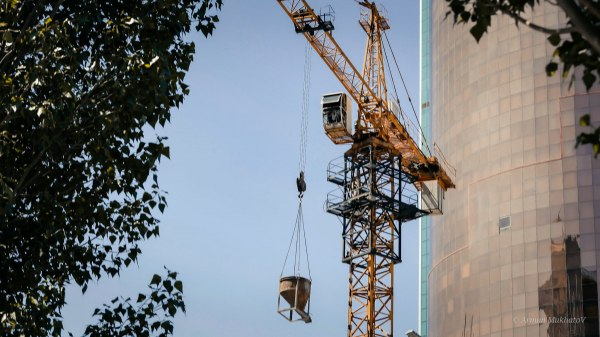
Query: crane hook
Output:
(301,184)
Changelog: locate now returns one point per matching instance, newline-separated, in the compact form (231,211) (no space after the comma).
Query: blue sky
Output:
(231,180)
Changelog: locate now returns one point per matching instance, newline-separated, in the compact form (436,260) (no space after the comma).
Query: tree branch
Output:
(530,24)
(593,7)
(27,170)
(56,8)
(23,30)
(580,21)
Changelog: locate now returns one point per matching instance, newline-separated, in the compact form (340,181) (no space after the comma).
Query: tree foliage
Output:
(150,314)
(577,44)
(80,81)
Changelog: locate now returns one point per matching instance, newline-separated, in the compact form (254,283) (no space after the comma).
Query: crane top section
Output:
(382,16)
(368,89)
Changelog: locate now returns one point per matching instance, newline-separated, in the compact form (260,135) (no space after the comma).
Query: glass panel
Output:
(572,244)
(559,279)
(559,262)
(518,253)
(335,98)
(574,277)
(530,251)
(590,291)
(504,224)
(574,294)
(575,310)
(560,295)
(558,246)
(588,276)
(591,326)
(560,329)
(590,309)
(545,281)
(573,261)
(545,330)
(545,297)
(544,248)
(332,115)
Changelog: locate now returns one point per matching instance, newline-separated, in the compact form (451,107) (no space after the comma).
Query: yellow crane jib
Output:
(368,90)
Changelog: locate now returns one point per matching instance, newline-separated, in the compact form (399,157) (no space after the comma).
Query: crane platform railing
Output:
(365,18)
(437,152)
(342,203)
(402,134)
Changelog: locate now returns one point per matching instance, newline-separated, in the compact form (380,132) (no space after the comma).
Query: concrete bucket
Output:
(295,290)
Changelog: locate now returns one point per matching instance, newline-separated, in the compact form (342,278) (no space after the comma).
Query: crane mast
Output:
(371,200)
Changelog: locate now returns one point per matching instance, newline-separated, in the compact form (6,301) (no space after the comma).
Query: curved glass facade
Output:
(517,250)
(426,127)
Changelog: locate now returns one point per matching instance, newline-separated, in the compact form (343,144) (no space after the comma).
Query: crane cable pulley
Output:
(299,229)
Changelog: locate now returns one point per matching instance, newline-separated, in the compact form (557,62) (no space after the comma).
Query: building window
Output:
(504,224)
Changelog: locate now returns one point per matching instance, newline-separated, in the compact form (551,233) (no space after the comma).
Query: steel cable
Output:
(299,228)
(290,247)
(298,233)
(409,99)
(305,106)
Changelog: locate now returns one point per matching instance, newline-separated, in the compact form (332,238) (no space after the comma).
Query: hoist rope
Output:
(290,246)
(299,228)
(298,233)
(305,106)
(305,245)
(424,140)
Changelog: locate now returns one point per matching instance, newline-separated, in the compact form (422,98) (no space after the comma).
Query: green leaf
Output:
(156,279)
(588,79)
(7,36)
(141,297)
(168,286)
(179,286)
(478,30)
(585,120)
(554,39)
(166,152)
(6,189)
(161,207)
(551,68)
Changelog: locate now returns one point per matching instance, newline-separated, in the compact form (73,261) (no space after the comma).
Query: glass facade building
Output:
(517,250)
(425,119)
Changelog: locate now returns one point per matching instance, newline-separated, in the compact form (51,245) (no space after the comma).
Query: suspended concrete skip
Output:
(295,290)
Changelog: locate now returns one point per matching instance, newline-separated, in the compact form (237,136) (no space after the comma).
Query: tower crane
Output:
(371,201)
